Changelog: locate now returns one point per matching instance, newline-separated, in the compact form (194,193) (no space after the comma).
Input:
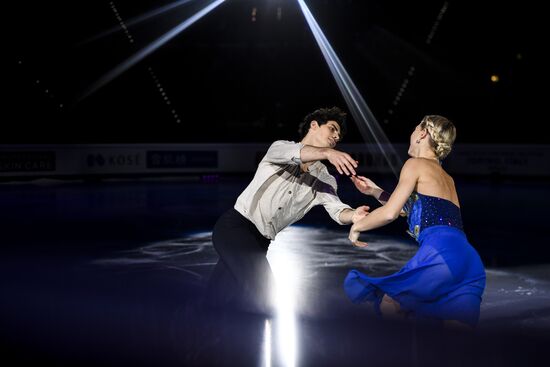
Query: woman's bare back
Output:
(434,181)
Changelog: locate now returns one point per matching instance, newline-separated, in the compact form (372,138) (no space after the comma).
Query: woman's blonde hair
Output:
(442,132)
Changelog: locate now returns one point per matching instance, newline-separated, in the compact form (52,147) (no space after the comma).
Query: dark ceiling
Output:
(245,75)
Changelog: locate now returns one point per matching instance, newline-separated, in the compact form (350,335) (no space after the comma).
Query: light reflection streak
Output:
(140,55)
(366,122)
(139,19)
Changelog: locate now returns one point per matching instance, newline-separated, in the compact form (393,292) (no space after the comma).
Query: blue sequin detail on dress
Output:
(424,211)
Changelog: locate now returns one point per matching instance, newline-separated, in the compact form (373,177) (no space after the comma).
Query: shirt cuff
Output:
(297,159)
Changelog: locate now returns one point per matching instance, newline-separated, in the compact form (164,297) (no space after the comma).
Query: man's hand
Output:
(344,163)
(360,213)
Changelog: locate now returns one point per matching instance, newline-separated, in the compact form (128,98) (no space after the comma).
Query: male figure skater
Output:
(289,181)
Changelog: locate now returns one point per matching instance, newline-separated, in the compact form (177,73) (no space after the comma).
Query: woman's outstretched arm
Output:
(390,211)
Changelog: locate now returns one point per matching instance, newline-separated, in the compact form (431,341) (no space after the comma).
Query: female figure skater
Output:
(446,278)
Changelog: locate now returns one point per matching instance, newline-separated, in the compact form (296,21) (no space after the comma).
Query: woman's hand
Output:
(366,186)
(354,238)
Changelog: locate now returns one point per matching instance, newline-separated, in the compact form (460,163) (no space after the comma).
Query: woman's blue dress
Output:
(444,280)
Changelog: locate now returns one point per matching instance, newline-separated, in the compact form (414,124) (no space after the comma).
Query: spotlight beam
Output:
(152,47)
(366,122)
(138,19)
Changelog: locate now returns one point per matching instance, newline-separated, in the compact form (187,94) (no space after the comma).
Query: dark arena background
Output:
(129,127)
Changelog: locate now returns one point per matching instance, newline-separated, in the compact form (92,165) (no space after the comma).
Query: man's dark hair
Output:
(322,116)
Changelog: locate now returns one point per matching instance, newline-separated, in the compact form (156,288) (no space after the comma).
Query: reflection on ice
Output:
(517,297)
(310,263)
(318,247)
(192,254)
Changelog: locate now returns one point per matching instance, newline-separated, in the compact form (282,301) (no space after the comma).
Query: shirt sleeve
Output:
(284,152)
(328,197)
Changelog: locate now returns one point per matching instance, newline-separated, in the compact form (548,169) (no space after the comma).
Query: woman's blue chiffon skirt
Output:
(444,280)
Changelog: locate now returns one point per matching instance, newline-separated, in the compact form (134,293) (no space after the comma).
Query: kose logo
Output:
(99,160)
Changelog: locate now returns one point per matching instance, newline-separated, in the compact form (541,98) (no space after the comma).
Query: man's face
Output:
(327,135)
